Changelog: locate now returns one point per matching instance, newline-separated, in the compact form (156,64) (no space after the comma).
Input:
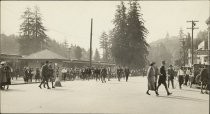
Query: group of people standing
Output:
(5,75)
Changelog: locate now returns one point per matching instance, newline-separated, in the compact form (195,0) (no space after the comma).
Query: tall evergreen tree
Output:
(78,52)
(104,45)
(136,37)
(119,35)
(97,55)
(32,32)
(26,31)
(39,30)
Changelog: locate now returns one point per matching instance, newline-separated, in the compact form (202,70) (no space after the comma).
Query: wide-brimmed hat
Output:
(171,66)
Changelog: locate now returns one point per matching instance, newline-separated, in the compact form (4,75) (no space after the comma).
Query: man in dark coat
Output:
(103,75)
(171,74)
(119,73)
(127,72)
(162,78)
(45,74)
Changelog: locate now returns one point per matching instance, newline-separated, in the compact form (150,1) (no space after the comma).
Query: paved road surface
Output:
(96,97)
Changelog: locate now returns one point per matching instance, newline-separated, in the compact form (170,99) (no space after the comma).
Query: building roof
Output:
(45,54)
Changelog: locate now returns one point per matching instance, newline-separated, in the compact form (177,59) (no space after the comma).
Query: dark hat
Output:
(47,61)
(152,63)
(171,66)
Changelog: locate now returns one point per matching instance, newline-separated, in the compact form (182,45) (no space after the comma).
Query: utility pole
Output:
(91,42)
(193,22)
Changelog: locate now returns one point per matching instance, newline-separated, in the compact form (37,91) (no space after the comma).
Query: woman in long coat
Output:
(3,78)
(151,79)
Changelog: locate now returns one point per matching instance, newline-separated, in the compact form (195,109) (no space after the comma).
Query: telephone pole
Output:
(91,42)
(193,22)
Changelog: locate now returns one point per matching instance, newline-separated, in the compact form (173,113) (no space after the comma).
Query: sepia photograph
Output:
(95,56)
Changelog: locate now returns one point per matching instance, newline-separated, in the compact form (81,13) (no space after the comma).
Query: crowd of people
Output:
(156,77)
(185,76)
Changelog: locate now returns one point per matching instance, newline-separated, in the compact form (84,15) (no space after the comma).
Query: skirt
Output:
(151,83)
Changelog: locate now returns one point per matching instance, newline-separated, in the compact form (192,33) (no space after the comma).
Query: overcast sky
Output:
(70,20)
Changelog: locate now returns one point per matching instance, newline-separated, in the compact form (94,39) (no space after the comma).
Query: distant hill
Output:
(9,44)
(164,49)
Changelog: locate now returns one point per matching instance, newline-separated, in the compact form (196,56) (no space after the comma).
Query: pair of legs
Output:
(126,77)
(172,83)
(186,80)
(164,83)
(155,87)
(103,78)
(119,77)
(44,81)
(181,80)
(51,80)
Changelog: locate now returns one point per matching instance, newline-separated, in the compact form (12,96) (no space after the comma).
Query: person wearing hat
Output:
(171,74)
(151,79)
(3,78)
(45,75)
(162,78)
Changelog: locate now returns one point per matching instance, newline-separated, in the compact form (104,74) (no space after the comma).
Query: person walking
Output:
(171,74)
(119,73)
(51,75)
(187,76)
(3,78)
(162,78)
(103,75)
(64,73)
(37,75)
(45,74)
(180,77)
(127,72)
(8,75)
(151,79)
(204,80)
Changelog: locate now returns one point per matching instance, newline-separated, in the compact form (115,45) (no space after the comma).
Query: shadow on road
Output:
(14,90)
(184,98)
(197,90)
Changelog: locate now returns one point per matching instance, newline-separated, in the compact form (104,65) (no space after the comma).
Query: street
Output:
(96,97)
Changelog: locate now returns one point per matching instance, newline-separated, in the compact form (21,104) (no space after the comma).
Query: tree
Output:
(26,32)
(119,34)
(104,45)
(159,52)
(201,36)
(78,52)
(88,54)
(97,55)
(39,30)
(137,51)
(32,32)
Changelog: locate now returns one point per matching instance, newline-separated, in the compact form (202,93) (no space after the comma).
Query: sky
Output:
(70,20)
